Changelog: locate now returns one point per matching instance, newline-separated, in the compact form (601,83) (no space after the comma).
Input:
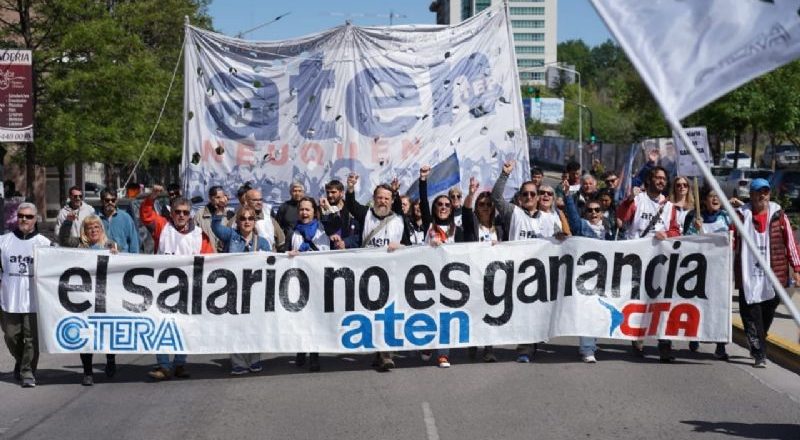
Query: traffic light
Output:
(536,96)
(592,138)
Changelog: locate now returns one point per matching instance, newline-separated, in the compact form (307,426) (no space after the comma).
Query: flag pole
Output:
(748,241)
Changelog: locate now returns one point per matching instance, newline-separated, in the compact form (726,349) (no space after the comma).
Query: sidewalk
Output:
(783,340)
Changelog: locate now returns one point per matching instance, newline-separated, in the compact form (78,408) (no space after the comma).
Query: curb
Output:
(779,350)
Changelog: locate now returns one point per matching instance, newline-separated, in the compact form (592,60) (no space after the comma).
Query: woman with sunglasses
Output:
(712,219)
(93,236)
(442,230)
(555,220)
(481,224)
(681,197)
(308,236)
(242,239)
(592,225)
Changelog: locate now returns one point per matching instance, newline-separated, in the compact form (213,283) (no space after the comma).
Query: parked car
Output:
(743,162)
(737,183)
(720,173)
(784,155)
(786,183)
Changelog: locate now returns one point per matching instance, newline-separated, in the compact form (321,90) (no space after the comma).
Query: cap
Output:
(758,184)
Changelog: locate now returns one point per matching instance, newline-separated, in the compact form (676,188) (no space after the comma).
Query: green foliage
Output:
(102,70)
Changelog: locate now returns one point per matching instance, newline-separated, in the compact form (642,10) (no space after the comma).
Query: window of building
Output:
(527,11)
(518,36)
(480,5)
(530,62)
(529,49)
(466,9)
(527,24)
(531,76)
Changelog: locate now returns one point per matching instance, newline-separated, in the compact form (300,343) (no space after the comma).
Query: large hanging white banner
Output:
(692,52)
(378,101)
(366,300)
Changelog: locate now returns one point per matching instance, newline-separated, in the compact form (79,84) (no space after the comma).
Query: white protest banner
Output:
(378,101)
(366,300)
(690,53)
(686,165)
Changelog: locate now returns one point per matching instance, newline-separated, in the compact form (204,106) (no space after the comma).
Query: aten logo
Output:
(118,333)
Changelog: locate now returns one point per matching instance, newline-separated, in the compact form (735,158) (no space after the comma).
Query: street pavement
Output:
(555,397)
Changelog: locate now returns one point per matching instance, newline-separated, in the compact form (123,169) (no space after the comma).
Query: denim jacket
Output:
(232,240)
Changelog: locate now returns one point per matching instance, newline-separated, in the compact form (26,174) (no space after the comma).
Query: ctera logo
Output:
(638,319)
(118,333)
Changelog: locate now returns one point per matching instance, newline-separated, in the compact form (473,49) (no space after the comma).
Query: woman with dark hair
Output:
(413,218)
(481,224)
(442,230)
(712,219)
(93,236)
(308,235)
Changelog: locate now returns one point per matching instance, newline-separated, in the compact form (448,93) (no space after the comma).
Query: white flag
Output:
(691,52)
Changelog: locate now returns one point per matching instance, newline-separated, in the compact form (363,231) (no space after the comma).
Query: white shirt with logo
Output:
(646,209)
(390,232)
(17,289)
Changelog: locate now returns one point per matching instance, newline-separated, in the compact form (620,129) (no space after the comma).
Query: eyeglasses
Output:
(455,196)
(592,209)
(546,193)
(181,211)
(76,196)
(443,205)
(110,200)
(26,216)
(247,219)
(527,193)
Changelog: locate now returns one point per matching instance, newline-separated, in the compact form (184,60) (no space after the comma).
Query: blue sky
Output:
(576,18)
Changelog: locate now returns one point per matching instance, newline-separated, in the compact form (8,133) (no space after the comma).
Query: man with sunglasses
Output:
(17,292)
(769,227)
(176,235)
(71,217)
(650,214)
(119,225)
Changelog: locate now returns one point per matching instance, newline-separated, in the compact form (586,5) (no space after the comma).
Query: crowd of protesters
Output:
(579,206)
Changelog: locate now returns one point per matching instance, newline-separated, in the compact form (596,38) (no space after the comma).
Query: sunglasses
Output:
(455,196)
(592,209)
(110,200)
(681,185)
(247,219)
(181,211)
(76,196)
(546,193)
(527,194)
(26,216)
(443,205)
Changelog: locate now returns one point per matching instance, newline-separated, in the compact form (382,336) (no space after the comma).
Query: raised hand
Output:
(508,167)
(653,155)
(352,179)
(424,172)
(395,184)
(473,185)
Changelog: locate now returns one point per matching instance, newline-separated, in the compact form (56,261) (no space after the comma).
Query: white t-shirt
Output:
(173,242)
(524,226)
(391,232)
(17,289)
(646,208)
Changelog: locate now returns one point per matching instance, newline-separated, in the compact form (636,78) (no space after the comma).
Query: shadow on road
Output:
(768,431)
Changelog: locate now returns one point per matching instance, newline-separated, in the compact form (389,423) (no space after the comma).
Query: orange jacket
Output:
(155,222)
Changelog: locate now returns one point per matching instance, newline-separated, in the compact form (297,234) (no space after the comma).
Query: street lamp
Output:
(580,104)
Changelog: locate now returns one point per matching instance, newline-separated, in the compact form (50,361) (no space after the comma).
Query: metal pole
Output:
(580,122)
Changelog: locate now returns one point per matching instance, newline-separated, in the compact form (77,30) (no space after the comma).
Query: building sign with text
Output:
(16,96)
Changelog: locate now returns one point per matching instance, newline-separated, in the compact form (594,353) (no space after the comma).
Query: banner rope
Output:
(160,114)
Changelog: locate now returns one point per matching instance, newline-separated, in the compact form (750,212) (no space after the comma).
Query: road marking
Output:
(430,422)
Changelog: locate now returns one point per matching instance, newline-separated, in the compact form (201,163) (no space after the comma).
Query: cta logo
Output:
(119,333)
(639,319)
